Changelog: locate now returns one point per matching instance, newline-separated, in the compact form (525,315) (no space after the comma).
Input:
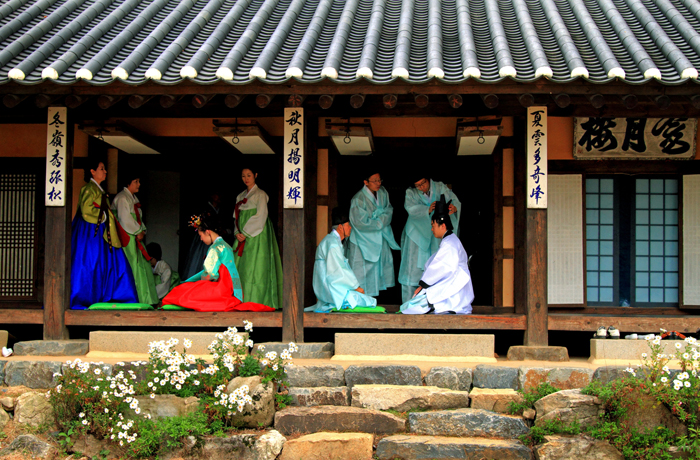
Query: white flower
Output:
(248,325)
(249,343)
(97,371)
(687,384)
(81,415)
(261,347)
(644,355)
(664,379)
(187,343)
(153,396)
(678,345)
(85,422)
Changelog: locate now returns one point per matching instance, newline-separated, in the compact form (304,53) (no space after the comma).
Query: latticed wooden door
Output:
(21,222)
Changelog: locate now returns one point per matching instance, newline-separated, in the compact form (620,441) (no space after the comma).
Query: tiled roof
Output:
(237,41)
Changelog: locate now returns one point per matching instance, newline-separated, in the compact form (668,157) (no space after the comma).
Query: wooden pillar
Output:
(57,251)
(299,241)
(537,332)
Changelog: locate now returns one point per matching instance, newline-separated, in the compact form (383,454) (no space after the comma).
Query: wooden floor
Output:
(505,321)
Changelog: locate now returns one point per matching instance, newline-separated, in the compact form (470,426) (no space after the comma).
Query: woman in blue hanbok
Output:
(335,284)
(99,269)
(371,242)
(417,241)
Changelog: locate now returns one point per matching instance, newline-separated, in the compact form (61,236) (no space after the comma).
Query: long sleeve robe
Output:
(334,282)
(371,240)
(446,281)
(417,241)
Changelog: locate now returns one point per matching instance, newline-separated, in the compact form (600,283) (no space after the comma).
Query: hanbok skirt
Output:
(207,295)
(260,266)
(98,273)
(143,273)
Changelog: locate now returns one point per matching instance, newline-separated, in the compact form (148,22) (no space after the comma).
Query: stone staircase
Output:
(390,406)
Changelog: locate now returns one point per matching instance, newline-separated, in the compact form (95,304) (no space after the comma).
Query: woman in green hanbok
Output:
(257,255)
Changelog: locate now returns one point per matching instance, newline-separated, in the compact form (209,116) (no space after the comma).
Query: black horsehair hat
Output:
(442,211)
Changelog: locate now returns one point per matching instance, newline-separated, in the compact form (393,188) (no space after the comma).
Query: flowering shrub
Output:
(85,400)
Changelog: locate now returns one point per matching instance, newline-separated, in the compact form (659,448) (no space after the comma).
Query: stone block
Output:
(647,413)
(292,420)
(137,341)
(605,351)
(329,375)
(486,376)
(105,369)
(52,348)
(320,396)
(447,448)
(495,400)
(31,445)
(584,447)
(323,446)
(239,447)
(34,409)
(403,398)
(454,378)
(443,345)
(3,363)
(307,350)
(466,423)
(607,374)
(569,406)
(7,403)
(4,336)
(526,353)
(563,378)
(368,374)
(4,418)
(164,406)
(259,413)
(32,374)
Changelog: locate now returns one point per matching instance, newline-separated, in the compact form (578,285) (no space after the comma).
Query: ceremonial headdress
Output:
(441,215)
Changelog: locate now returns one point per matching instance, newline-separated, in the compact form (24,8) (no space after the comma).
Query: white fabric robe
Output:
(450,283)
(163,270)
(334,282)
(417,241)
(257,199)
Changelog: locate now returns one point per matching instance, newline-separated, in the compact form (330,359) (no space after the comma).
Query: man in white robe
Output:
(335,284)
(446,284)
(417,242)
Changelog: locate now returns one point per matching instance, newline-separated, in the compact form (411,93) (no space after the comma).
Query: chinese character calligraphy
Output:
(293,178)
(56,133)
(617,138)
(537,157)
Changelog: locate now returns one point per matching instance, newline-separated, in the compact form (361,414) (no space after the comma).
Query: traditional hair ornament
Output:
(195,222)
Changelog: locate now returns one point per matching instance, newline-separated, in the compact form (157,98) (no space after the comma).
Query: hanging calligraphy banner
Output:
(537,157)
(293,179)
(634,138)
(56,135)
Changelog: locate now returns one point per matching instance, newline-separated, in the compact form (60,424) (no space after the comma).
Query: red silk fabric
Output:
(211,296)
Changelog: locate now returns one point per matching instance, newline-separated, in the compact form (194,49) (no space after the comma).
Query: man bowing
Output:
(446,284)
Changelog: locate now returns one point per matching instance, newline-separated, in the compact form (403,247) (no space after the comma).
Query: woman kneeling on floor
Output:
(218,286)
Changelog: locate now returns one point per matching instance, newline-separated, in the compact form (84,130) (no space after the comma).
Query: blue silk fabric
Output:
(98,274)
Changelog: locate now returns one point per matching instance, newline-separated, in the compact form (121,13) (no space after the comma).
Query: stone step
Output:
(380,374)
(471,347)
(136,342)
(52,348)
(320,396)
(466,423)
(323,446)
(624,352)
(403,398)
(300,420)
(327,375)
(308,350)
(494,400)
(408,447)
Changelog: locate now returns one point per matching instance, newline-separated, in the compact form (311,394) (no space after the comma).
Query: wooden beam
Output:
(295,100)
(421,100)
(168,100)
(356,100)
(42,101)
(137,100)
(526,100)
(106,101)
(536,277)
(12,100)
(393,321)
(662,101)
(200,100)
(455,100)
(57,254)
(263,100)
(597,100)
(497,158)
(232,100)
(390,100)
(519,166)
(562,100)
(73,101)
(630,101)
(490,100)
(325,101)
(21,316)
(625,323)
(624,166)
(160,318)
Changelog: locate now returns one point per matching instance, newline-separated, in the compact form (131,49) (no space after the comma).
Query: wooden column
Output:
(299,243)
(57,252)
(536,333)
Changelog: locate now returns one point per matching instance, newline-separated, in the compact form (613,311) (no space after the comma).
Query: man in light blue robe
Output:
(335,284)
(417,241)
(371,242)
(446,284)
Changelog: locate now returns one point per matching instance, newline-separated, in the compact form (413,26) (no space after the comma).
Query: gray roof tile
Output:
(169,41)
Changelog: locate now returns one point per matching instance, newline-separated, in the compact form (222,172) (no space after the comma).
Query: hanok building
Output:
(566,127)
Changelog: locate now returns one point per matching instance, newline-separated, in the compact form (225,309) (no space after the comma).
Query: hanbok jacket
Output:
(370,218)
